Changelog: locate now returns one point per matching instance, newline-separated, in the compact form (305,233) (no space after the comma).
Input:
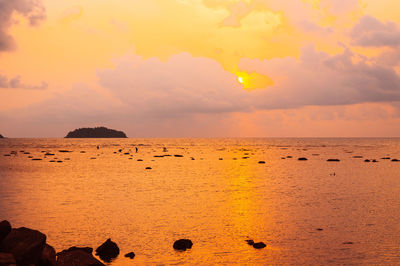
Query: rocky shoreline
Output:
(27,247)
(23,246)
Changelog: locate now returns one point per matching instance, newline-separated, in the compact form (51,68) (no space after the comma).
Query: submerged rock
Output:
(259,245)
(77,256)
(130,255)
(5,229)
(250,242)
(108,250)
(302,159)
(367,160)
(25,244)
(333,160)
(148,168)
(183,244)
(261,162)
(395,160)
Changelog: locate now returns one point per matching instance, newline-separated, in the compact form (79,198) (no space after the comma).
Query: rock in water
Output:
(25,244)
(250,242)
(259,245)
(5,229)
(77,256)
(302,159)
(108,250)
(7,259)
(1,136)
(183,244)
(130,255)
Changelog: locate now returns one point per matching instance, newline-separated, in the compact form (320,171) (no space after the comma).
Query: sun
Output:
(240,79)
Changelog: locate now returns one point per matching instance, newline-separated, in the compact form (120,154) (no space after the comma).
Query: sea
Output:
(217,192)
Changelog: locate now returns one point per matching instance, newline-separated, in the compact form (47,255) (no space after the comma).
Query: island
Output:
(97,132)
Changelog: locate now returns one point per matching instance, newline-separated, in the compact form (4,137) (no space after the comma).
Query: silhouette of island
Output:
(97,132)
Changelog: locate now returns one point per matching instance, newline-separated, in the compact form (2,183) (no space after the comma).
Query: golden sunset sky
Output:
(201,68)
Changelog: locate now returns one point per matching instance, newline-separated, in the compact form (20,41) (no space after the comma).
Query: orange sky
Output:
(201,68)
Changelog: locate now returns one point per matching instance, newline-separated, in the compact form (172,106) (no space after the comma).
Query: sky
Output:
(201,68)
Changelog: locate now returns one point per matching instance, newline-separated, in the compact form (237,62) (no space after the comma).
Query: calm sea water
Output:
(94,194)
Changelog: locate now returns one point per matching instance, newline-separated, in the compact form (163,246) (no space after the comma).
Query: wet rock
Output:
(183,244)
(348,243)
(261,162)
(250,242)
(25,244)
(5,229)
(333,160)
(7,259)
(302,159)
(108,250)
(259,245)
(130,255)
(395,160)
(77,256)
(48,257)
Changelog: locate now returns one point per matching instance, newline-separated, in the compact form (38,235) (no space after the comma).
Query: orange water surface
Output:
(217,194)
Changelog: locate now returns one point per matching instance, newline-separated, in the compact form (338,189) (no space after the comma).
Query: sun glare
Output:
(240,79)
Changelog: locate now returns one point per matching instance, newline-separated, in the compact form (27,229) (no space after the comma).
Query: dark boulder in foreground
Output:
(77,256)
(259,245)
(48,257)
(25,244)
(108,250)
(130,255)
(183,244)
(7,259)
(1,136)
(5,229)
(97,132)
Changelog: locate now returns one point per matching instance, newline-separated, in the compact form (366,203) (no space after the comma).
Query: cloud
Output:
(16,83)
(33,10)
(183,84)
(370,32)
(318,78)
